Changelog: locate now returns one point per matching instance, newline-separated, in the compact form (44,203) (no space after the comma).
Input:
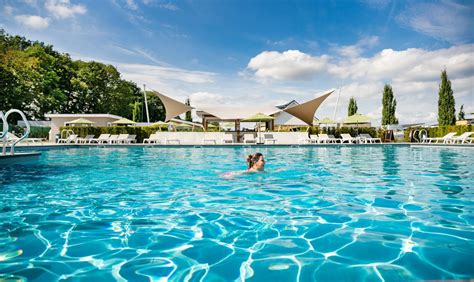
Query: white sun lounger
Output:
(154,138)
(463,138)
(131,139)
(102,138)
(122,139)
(112,139)
(348,138)
(366,138)
(303,138)
(445,138)
(249,138)
(86,139)
(71,139)
(228,139)
(326,138)
(172,138)
(269,139)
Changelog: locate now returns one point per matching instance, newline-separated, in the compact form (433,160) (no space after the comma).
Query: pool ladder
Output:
(4,134)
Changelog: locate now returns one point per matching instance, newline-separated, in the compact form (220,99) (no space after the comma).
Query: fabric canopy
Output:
(80,121)
(123,121)
(173,108)
(237,112)
(306,111)
(258,117)
(357,118)
(326,121)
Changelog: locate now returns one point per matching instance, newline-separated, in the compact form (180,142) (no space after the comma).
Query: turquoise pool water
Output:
(328,214)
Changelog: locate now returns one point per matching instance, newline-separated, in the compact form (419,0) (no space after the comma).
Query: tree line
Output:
(38,80)
(446,104)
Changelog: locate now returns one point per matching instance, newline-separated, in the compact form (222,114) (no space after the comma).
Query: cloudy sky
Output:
(249,52)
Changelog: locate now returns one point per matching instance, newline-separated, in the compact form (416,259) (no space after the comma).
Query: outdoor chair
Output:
(131,139)
(461,138)
(122,139)
(249,138)
(333,139)
(102,138)
(445,138)
(269,139)
(70,139)
(154,138)
(228,139)
(348,138)
(366,138)
(172,138)
(314,138)
(112,139)
(303,138)
(325,138)
(86,139)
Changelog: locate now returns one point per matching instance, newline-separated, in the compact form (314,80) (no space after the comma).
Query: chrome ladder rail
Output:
(6,127)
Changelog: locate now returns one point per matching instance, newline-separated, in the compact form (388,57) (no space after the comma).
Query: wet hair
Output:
(252,159)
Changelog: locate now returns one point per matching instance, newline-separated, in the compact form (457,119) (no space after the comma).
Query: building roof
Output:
(289,104)
(82,115)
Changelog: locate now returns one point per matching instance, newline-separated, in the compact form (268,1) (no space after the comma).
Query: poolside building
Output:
(60,120)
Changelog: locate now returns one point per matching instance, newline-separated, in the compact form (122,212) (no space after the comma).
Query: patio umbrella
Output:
(259,118)
(80,121)
(123,121)
(326,122)
(357,118)
(160,124)
(181,125)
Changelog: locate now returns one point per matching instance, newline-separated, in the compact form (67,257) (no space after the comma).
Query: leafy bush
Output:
(439,131)
(39,132)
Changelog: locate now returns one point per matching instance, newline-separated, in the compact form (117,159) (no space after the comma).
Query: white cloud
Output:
(413,73)
(206,98)
(357,49)
(141,73)
(169,6)
(444,20)
(8,10)
(33,22)
(291,64)
(132,5)
(63,9)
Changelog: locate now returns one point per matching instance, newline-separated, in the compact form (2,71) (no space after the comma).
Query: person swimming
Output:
(256,163)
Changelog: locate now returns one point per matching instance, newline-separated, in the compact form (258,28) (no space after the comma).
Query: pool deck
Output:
(58,146)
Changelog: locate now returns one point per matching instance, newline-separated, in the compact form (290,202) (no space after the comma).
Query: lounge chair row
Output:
(345,138)
(102,139)
(451,138)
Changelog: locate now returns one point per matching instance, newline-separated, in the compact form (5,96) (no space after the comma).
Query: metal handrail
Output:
(25,135)
(4,133)
(68,132)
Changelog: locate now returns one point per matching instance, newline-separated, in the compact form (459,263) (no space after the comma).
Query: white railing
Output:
(4,135)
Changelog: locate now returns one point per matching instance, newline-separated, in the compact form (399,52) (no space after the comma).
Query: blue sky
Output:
(268,52)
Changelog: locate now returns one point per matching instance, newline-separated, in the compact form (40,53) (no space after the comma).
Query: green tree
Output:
(461,113)
(188,114)
(136,110)
(352,108)
(446,103)
(389,105)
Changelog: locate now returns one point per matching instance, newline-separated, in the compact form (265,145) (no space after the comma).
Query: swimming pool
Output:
(319,213)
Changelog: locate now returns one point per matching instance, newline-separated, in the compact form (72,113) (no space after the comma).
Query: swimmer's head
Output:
(256,162)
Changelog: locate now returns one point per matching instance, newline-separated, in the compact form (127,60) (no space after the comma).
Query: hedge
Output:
(439,131)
